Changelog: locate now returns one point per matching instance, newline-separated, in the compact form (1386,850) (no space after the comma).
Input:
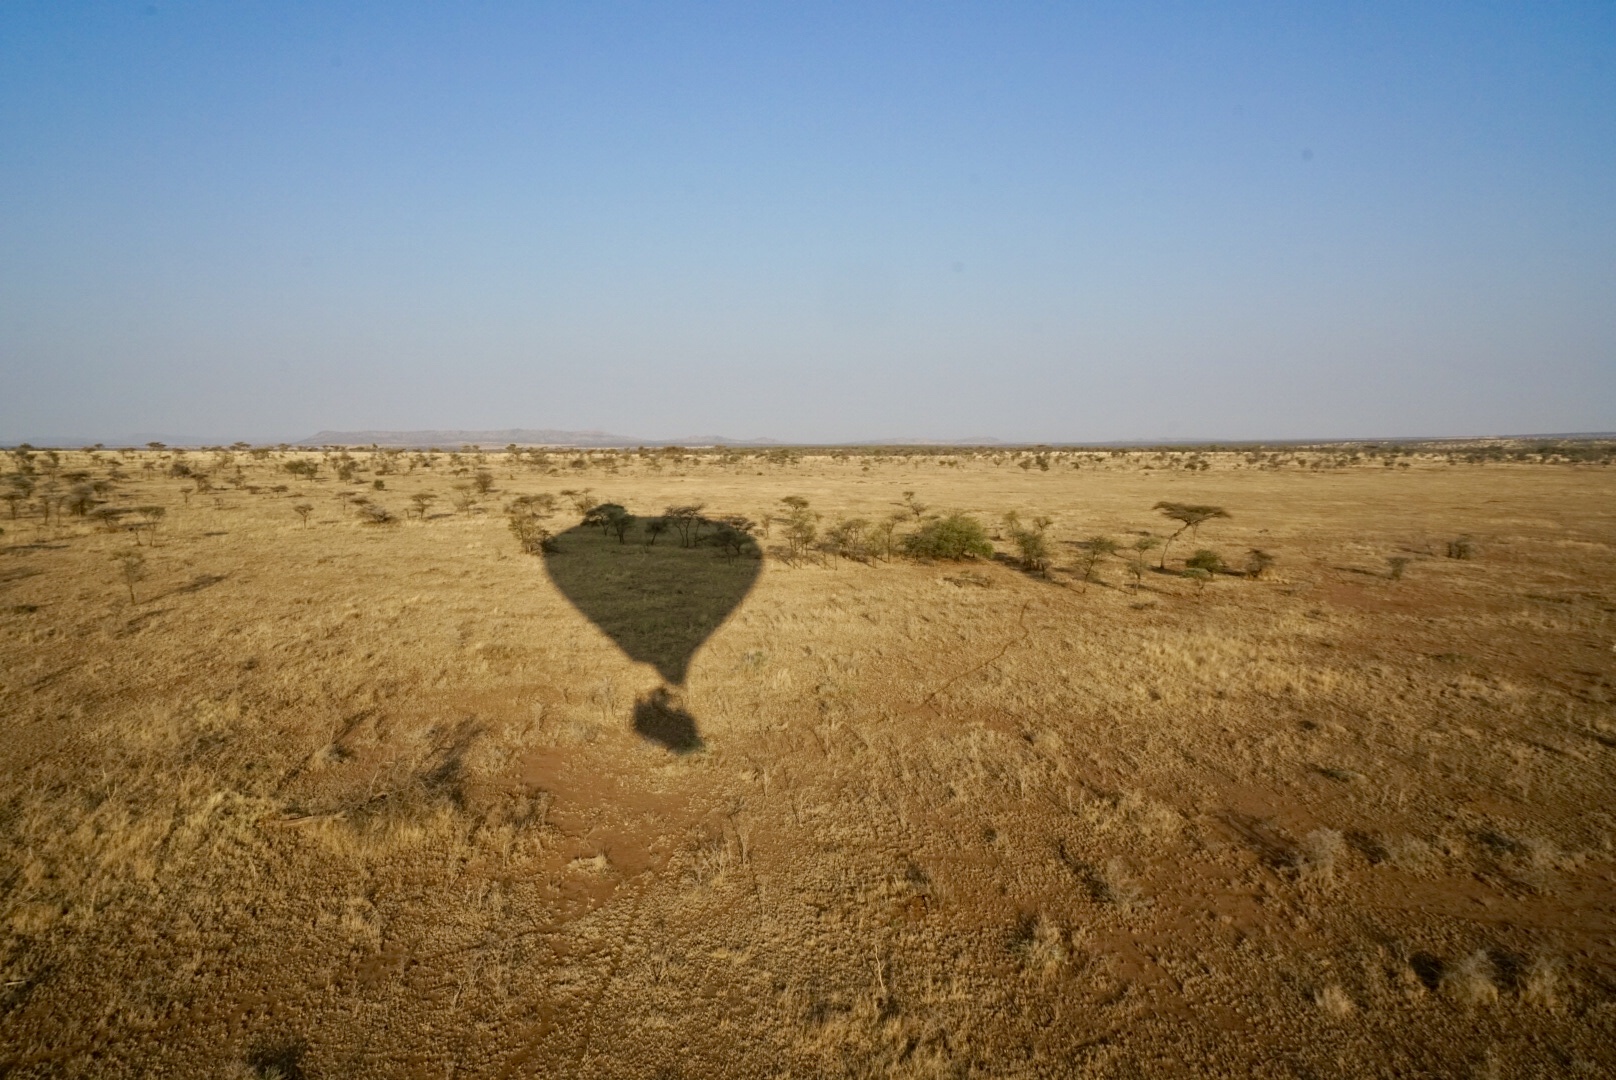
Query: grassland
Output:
(326,795)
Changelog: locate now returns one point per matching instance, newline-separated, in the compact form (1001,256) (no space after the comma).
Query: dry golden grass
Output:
(340,799)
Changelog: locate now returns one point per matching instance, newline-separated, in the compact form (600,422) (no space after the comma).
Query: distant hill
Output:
(507,436)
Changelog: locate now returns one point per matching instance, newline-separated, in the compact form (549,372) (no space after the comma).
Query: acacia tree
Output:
(885,532)
(581,498)
(19,488)
(733,535)
(1031,544)
(153,517)
(527,516)
(619,522)
(686,521)
(1094,549)
(132,567)
(800,525)
(1136,565)
(849,539)
(604,515)
(1189,516)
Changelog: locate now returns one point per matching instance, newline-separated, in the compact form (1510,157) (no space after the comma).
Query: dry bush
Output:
(1543,982)
(374,513)
(1335,1001)
(1317,856)
(1470,981)
(1042,945)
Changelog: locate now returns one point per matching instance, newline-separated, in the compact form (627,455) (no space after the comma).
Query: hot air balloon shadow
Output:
(659,597)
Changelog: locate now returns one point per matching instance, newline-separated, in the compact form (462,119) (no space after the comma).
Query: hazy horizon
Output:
(817,225)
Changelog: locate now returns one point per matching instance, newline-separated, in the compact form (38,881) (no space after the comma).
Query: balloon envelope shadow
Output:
(658,602)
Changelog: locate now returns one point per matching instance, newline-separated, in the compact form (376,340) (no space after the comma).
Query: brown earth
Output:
(346,799)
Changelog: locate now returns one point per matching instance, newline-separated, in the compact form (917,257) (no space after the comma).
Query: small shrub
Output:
(303,510)
(1470,981)
(1031,544)
(850,539)
(1136,565)
(375,514)
(1541,985)
(955,537)
(733,535)
(1042,945)
(582,500)
(527,516)
(1206,560)
(1094,549)
(1334,1001)
(1316,860)
(883,534)
(531,534)
(132,568)
(81,500)
(483,481)
(1461,548)
(603,515)
(1395,565)
(801,526)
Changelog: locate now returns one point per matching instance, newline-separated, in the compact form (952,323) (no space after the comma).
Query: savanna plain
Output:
(713,763)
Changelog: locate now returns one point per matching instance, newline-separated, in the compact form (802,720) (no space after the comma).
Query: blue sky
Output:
(811,222)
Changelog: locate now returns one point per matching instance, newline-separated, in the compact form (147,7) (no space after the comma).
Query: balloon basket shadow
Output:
(659,717)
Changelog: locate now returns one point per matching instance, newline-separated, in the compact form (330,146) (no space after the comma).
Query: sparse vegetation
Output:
(365,801)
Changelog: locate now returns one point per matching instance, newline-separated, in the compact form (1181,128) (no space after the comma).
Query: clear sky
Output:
(813,222)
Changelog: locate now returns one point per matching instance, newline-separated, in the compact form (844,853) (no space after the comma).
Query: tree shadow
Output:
(659,600)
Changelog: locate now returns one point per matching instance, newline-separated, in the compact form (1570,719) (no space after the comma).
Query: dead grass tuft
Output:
(1470,981)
